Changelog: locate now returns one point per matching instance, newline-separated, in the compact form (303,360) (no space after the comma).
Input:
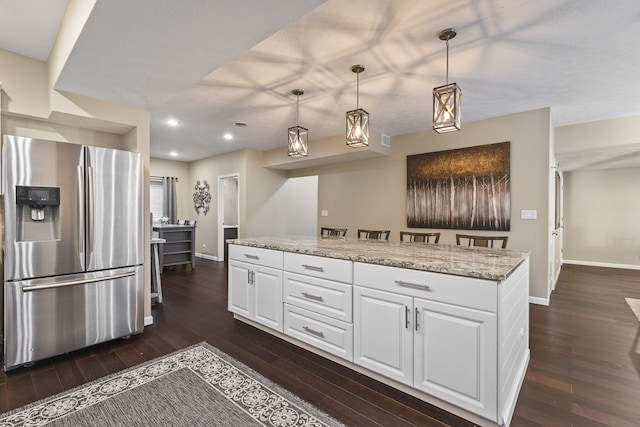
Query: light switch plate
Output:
(324,212)
(529,214)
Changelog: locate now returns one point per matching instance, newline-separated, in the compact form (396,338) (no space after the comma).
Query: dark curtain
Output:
(170,207)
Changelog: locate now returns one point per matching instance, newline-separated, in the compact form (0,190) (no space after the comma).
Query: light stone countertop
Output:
(482,263)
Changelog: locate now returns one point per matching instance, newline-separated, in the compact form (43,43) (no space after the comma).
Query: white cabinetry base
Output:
(480,421)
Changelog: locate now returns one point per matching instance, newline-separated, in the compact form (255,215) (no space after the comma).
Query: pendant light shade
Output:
(298,136)
(446,99)
(358,119)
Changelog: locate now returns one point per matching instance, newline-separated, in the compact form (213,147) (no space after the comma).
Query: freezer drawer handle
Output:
(312,332)
(30,288)
(313,267)
(413,285)
(313,297)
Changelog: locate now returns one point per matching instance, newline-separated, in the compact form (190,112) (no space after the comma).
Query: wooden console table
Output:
(180,245)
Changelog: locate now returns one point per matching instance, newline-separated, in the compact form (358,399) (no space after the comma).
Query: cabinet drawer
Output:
(339,270)
(325,333)
(326,297)
(177,235)
(463,291)
(260,256)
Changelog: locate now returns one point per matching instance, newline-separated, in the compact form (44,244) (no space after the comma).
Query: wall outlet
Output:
(204,245)
(324,212)
(528,214)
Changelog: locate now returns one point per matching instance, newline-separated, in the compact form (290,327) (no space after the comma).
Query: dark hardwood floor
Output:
(584,369)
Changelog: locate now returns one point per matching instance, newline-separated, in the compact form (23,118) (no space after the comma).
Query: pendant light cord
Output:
(357,90)
(297,110)
(447,60)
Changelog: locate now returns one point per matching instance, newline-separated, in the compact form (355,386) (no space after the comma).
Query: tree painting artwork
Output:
(466,189)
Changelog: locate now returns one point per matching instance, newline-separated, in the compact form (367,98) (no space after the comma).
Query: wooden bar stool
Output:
(482,241)
(373,234)
(332,232)
(410,236)
(156,284)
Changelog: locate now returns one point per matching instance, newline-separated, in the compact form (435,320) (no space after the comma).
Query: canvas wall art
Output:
(466,188)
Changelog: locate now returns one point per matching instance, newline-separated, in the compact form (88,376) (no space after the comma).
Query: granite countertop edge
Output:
(480,263)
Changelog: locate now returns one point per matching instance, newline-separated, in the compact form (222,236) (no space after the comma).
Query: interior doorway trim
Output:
(221,212)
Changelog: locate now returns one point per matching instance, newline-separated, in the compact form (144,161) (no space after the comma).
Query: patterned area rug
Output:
(635,306)
(197,386)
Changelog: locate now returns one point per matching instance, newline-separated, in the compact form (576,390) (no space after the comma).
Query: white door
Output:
(455,353)
(268,297)
(240,289)
(228,211)
(383,333)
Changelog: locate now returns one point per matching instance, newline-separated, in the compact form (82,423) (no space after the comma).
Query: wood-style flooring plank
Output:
(584,369)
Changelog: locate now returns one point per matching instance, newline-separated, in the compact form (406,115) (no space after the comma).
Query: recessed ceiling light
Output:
(172,122)
(228,136)
(173,154)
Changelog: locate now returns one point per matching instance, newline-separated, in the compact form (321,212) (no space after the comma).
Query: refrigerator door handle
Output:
(30,288)
(81,223)
(90,212)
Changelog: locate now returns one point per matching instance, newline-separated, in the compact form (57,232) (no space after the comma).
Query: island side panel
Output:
(513,341)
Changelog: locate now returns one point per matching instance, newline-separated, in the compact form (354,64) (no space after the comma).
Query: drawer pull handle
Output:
(251,256)
(313,267)
(313,297)
(312,332)
(413,285)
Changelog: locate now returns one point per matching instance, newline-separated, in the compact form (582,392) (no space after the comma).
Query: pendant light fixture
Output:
(358,119)
(446,99)
(297,134)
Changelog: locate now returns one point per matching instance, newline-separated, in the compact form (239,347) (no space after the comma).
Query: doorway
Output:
(228,212)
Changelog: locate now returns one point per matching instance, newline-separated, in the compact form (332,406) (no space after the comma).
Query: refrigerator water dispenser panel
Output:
(37,213)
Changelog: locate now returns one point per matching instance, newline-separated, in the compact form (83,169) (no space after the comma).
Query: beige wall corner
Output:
(372,193)
(180,170)
(32,108)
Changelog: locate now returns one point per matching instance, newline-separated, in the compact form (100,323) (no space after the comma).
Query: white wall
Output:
(601,216)
(298,199)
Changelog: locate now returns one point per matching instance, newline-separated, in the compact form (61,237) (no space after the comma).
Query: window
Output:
(156,198)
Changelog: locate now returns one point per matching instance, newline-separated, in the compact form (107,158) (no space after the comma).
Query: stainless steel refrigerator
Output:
(73,247)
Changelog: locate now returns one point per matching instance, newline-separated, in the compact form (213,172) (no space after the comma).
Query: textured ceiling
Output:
(210,64)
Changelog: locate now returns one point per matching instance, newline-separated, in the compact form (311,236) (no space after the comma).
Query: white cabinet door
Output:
(383,333)
(455,355)
(255,292)
(240,289)
(268,297)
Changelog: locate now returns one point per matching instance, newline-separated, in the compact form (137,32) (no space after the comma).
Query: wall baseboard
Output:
(148,320)
(539,301)
(205,256)
(601,264)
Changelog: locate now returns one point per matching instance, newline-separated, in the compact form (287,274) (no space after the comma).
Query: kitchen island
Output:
(447,324)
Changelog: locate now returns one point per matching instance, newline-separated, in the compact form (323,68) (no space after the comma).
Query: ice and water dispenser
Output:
(38,213)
